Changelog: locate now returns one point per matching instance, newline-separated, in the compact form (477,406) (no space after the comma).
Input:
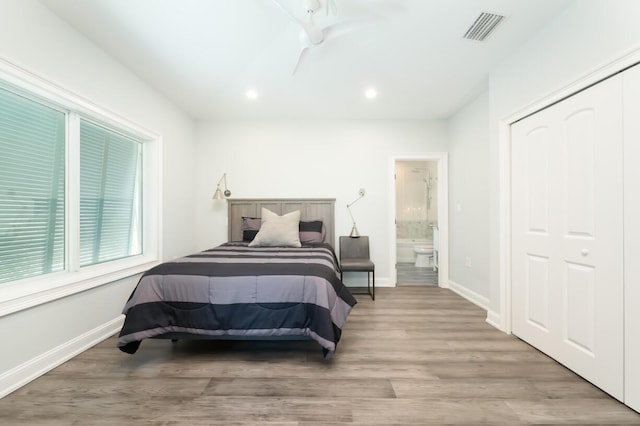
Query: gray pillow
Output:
(250,227)
(311,231)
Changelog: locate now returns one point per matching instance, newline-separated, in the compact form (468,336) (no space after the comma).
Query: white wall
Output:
(589,35)
(311,159)
(469,197)
(35,39)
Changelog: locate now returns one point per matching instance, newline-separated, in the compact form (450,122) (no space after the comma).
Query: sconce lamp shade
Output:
(218,195)
(354,231)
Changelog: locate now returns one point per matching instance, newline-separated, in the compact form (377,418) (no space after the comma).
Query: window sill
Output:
(16,298)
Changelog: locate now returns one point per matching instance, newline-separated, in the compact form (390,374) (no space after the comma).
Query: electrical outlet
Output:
(467,262)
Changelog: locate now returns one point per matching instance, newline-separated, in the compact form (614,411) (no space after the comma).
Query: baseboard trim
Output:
(470,295)
(495,319)
(32,369)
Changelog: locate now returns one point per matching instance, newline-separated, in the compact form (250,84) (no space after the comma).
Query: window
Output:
(79,194)
(110,166)
(32,199)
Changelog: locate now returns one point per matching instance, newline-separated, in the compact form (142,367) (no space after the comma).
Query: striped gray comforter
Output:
(236,291)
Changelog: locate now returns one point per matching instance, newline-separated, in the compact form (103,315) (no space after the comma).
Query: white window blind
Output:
(32,191)
(80,193)
(110,195)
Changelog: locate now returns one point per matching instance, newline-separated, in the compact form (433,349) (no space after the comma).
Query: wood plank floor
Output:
(417,355)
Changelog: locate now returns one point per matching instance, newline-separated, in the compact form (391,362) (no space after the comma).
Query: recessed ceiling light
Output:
(371,93)
(252,94)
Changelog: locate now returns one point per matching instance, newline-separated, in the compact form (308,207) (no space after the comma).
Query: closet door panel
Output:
(567,240)
(632,236)
(579,170)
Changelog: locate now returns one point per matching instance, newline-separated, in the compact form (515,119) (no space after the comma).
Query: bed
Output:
(264,283)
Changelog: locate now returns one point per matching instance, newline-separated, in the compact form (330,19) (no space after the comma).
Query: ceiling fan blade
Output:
(303,53)
(331,5)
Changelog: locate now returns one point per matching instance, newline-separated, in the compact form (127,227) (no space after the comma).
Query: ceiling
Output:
(204,55)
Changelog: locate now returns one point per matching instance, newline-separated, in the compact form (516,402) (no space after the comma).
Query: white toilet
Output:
(424,253)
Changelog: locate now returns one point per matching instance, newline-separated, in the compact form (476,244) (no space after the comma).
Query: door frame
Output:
(502,319)
(442,159)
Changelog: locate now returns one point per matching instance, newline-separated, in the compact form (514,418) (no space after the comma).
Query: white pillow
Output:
(278,230)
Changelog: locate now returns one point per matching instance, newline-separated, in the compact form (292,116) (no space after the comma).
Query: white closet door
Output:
(567,257)
(632,236)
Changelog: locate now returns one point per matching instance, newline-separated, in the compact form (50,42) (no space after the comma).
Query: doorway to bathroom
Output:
(416,222)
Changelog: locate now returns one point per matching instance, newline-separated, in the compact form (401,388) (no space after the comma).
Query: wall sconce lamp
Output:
(354,230)
(218,195)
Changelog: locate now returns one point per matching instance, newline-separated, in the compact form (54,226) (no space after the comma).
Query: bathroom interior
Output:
(417,222)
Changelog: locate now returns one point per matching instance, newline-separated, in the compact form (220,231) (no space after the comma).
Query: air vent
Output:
(484,24)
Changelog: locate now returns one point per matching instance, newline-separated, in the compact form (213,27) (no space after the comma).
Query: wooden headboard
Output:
(310,209)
